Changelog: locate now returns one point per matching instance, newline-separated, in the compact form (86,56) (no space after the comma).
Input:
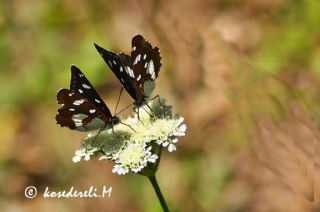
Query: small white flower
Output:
(83,153)
(104,157)
(172,147)
(119,170)
(76,158)
(153,158)
(86,157)
(165,144)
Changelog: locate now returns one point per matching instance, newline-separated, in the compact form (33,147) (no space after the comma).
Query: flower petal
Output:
(172,148)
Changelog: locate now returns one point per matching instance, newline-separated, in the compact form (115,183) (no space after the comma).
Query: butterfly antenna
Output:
(115,111)
(124,109)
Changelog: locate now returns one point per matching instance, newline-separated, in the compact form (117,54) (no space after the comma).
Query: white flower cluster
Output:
(131,149)
(133,157)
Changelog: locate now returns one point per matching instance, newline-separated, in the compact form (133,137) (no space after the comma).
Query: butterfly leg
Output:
(159,100)
(128,126)
(94,140)
(138,115)
(152,116)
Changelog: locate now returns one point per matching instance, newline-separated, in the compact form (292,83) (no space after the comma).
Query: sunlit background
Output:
(244,74)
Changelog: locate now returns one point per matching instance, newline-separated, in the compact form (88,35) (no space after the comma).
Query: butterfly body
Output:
(83,109)
(136,72)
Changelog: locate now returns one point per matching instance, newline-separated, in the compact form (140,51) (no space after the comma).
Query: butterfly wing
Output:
(145,66)
(133,71)
(121,66)
(83,109)
(146,59)
(135,90)
(80,84)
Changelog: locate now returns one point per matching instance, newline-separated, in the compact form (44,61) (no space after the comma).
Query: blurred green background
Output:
(225,64)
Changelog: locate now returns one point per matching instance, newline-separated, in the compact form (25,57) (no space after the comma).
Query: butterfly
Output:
(136,72)
(83,109)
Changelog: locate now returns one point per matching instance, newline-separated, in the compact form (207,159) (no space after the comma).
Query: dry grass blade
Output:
(286,148)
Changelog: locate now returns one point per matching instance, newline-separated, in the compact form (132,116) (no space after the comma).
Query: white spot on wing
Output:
(114,62)
(121,69)
(153,76)
(110,64)
(137,59)
(144,56)
(78,102)
(133,48)
(129,71)
(151,67)
(80,91)
(97,100)
(139,77)
(71,109)
(78,124)
(92,110)
(86,86)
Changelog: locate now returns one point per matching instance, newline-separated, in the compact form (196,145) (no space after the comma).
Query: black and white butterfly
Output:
(83,109)
(136,72)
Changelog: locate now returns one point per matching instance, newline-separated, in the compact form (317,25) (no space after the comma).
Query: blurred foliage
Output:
(224,63)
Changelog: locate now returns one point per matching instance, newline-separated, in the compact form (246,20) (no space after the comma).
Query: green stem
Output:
(155,185)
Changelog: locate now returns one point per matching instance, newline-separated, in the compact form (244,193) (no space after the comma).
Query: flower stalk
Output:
(156,187)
